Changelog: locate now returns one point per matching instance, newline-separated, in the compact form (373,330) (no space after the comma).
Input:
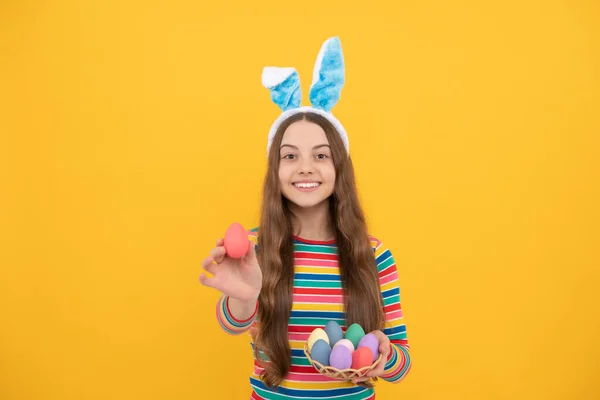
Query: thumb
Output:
(250,256)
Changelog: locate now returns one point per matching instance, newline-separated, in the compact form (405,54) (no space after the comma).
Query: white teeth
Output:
(307,185)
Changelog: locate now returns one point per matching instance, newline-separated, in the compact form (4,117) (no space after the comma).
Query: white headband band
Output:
(327,83)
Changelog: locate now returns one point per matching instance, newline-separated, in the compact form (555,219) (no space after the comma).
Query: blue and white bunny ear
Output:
(284,85)
(328,80)
(328,75)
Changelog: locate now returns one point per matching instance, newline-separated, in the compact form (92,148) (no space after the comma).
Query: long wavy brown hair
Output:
(358,270)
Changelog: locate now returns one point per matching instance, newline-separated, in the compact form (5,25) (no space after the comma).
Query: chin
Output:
(307,202)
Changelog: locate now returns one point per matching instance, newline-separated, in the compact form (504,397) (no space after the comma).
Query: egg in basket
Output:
(342,357)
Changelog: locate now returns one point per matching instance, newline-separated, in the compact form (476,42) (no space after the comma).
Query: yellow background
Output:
(133,133)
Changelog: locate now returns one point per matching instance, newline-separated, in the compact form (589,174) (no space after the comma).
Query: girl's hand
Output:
(239,278)
(384,350)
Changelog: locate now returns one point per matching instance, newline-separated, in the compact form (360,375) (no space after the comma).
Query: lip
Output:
(306,181)
(308,189)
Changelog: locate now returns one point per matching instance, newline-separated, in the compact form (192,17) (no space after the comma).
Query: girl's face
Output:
(306,170)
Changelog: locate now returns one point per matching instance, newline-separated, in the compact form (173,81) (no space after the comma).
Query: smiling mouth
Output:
(306,185)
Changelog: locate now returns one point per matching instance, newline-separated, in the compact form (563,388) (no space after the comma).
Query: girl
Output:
(311,259)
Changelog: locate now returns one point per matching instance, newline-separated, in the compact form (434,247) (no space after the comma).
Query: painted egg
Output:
(370,341)
(334,332)
(320,352)
(354,333)
(236,241)
(316,335)
(346,343)
(340,357)
(362,357)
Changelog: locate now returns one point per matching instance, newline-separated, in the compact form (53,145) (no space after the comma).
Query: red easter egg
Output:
(362,357)
(236,241)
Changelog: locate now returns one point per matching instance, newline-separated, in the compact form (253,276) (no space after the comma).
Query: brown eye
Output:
(287,156)
(322,156)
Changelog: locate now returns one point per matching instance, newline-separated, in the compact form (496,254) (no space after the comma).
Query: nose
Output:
(306,166)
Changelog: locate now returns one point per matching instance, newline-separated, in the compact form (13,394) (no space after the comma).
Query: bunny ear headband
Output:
(327,83)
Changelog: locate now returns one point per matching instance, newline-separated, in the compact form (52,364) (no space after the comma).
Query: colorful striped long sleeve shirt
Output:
(317,299)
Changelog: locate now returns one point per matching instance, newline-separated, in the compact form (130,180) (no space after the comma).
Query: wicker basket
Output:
(340,374)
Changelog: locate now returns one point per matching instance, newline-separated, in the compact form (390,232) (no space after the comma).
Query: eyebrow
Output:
(295,147)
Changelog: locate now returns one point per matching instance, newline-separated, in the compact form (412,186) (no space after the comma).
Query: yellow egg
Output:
(317,334)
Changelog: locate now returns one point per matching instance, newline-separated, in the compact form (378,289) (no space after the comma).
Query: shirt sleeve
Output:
(227,321)
(398,362)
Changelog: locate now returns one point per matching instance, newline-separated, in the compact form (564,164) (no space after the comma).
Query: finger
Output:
(206,262)
(218,254)
(363,379)
(384,349)
(210,282)
(220,242)
(208,265)
(378,370)
(251,253)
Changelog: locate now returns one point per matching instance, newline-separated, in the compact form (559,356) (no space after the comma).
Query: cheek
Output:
(330,174)
(284,175)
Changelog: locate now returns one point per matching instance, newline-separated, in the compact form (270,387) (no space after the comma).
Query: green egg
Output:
(354,333)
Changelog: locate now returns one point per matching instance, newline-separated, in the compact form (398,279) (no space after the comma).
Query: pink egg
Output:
(340,357)
(362,358)
(370,341)
(346,343)
(236,241)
